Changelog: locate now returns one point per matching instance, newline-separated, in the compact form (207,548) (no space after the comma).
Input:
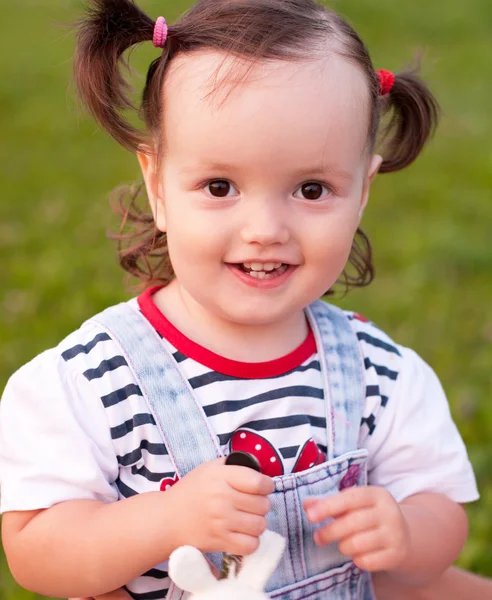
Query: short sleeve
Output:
(55,443)
(416,446)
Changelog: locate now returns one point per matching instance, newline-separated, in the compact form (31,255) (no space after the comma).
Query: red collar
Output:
(234,368)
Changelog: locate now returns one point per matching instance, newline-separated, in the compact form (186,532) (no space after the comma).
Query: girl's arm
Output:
(87,548)
(437,530)
(454,584)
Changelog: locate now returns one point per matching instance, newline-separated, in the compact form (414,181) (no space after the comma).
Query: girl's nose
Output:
(265,223)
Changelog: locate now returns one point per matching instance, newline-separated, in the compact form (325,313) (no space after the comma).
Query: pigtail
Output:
(109,28)
(414,118)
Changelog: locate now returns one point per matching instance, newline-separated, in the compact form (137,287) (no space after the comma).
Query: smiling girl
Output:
(258,154)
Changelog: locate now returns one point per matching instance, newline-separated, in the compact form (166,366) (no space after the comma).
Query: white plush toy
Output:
(190,571)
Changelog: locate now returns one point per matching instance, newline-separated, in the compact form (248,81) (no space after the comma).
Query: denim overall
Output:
(305,570)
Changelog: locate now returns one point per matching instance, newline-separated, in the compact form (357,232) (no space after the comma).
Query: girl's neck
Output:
(236,341)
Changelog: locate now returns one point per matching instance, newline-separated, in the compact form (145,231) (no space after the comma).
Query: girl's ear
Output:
(372,171)
(148,164)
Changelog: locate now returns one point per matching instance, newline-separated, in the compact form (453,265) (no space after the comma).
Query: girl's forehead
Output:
(212,98)
(216,80)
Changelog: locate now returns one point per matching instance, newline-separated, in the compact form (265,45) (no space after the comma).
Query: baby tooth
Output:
(269,266)
(256,266)
(277,265)
(247,265)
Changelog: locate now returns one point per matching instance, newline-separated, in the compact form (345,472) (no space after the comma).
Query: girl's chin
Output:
(253,313)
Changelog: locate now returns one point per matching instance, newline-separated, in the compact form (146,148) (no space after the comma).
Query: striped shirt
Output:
(275,411)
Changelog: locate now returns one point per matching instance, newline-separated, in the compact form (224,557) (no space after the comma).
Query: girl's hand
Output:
(368,525)
(221,508)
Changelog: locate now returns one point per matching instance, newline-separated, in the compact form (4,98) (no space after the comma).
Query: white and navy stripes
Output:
(75,425)
(286,408)
(382,361)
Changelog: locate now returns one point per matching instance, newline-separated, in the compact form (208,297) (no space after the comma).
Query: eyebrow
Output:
(320,173)
(213,166)
(315,173)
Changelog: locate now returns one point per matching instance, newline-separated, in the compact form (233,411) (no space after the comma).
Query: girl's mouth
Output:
(264,276)
(262,270)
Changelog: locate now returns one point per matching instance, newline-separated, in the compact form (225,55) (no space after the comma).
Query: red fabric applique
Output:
(169,482)
(245,440)
(271,464)
(360,317)
(308,457)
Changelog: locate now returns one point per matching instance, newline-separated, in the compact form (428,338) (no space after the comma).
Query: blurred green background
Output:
(430,225)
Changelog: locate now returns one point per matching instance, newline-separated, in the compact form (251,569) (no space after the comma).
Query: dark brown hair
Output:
(254,29)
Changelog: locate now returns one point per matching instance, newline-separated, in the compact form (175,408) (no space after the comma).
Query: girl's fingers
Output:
(379,560)
(348,525)
(249,524)
(241,544)
(248,481)
(320,509)
(250,503)
(362,543)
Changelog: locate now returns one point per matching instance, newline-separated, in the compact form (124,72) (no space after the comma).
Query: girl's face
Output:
(263,181)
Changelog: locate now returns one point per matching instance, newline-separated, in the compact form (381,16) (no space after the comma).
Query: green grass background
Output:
(430,225)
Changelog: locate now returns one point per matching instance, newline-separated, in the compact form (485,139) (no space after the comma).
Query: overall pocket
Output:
(302,558)
(343,583)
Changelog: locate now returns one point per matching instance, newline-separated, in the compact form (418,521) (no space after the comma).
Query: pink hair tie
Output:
(160,33)
(386,81)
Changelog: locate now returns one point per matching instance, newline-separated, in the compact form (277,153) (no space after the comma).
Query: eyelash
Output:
(211,181)
(326,190)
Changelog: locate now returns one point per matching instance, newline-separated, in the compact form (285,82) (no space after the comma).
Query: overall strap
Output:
(181,420)
(342,369)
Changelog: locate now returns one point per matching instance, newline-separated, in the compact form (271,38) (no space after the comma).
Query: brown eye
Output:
(312,191)
(220,188)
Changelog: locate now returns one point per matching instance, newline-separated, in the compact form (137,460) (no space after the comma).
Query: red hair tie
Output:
(386,81)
